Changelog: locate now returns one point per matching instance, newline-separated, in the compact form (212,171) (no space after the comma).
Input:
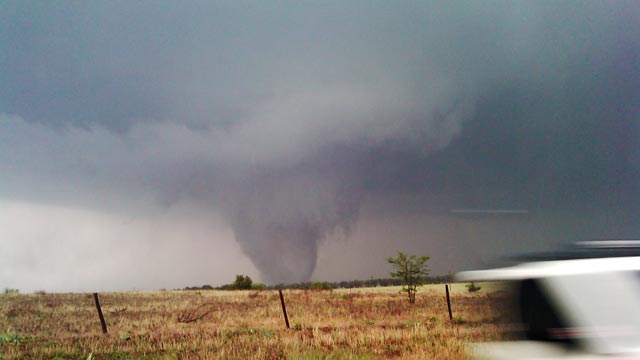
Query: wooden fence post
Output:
(284,308)
(446,288)
(102,322)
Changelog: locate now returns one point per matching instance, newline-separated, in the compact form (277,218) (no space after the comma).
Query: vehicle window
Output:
(540,318)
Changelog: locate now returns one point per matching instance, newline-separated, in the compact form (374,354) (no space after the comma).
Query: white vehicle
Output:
(579,304)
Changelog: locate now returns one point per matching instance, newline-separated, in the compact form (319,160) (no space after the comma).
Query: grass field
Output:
(371,323)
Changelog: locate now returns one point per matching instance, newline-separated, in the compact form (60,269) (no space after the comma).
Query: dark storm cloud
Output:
(284,117)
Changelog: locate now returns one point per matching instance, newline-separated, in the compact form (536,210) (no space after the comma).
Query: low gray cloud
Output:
(284,120)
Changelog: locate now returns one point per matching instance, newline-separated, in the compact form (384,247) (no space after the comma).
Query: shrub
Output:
(320,285)
(258,286)
(471,287)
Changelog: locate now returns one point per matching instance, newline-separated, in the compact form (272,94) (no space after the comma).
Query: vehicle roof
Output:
(541,269)
(586,249)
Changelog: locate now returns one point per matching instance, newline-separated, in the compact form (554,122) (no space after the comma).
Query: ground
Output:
(369,323)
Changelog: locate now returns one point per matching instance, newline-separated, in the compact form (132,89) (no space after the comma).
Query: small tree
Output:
(243,282)
(412,270)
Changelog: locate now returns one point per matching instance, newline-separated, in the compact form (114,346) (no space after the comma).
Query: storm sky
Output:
(166,144)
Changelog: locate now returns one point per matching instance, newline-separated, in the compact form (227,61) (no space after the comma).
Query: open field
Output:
(367,323)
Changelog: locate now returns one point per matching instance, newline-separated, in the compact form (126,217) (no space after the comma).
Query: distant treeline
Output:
(323,285)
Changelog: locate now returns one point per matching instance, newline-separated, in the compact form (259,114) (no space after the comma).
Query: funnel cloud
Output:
(252,137)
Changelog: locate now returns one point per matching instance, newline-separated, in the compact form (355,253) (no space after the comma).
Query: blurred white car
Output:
(579,304)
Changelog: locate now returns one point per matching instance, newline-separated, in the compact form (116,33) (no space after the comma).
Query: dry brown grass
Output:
(340,324)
